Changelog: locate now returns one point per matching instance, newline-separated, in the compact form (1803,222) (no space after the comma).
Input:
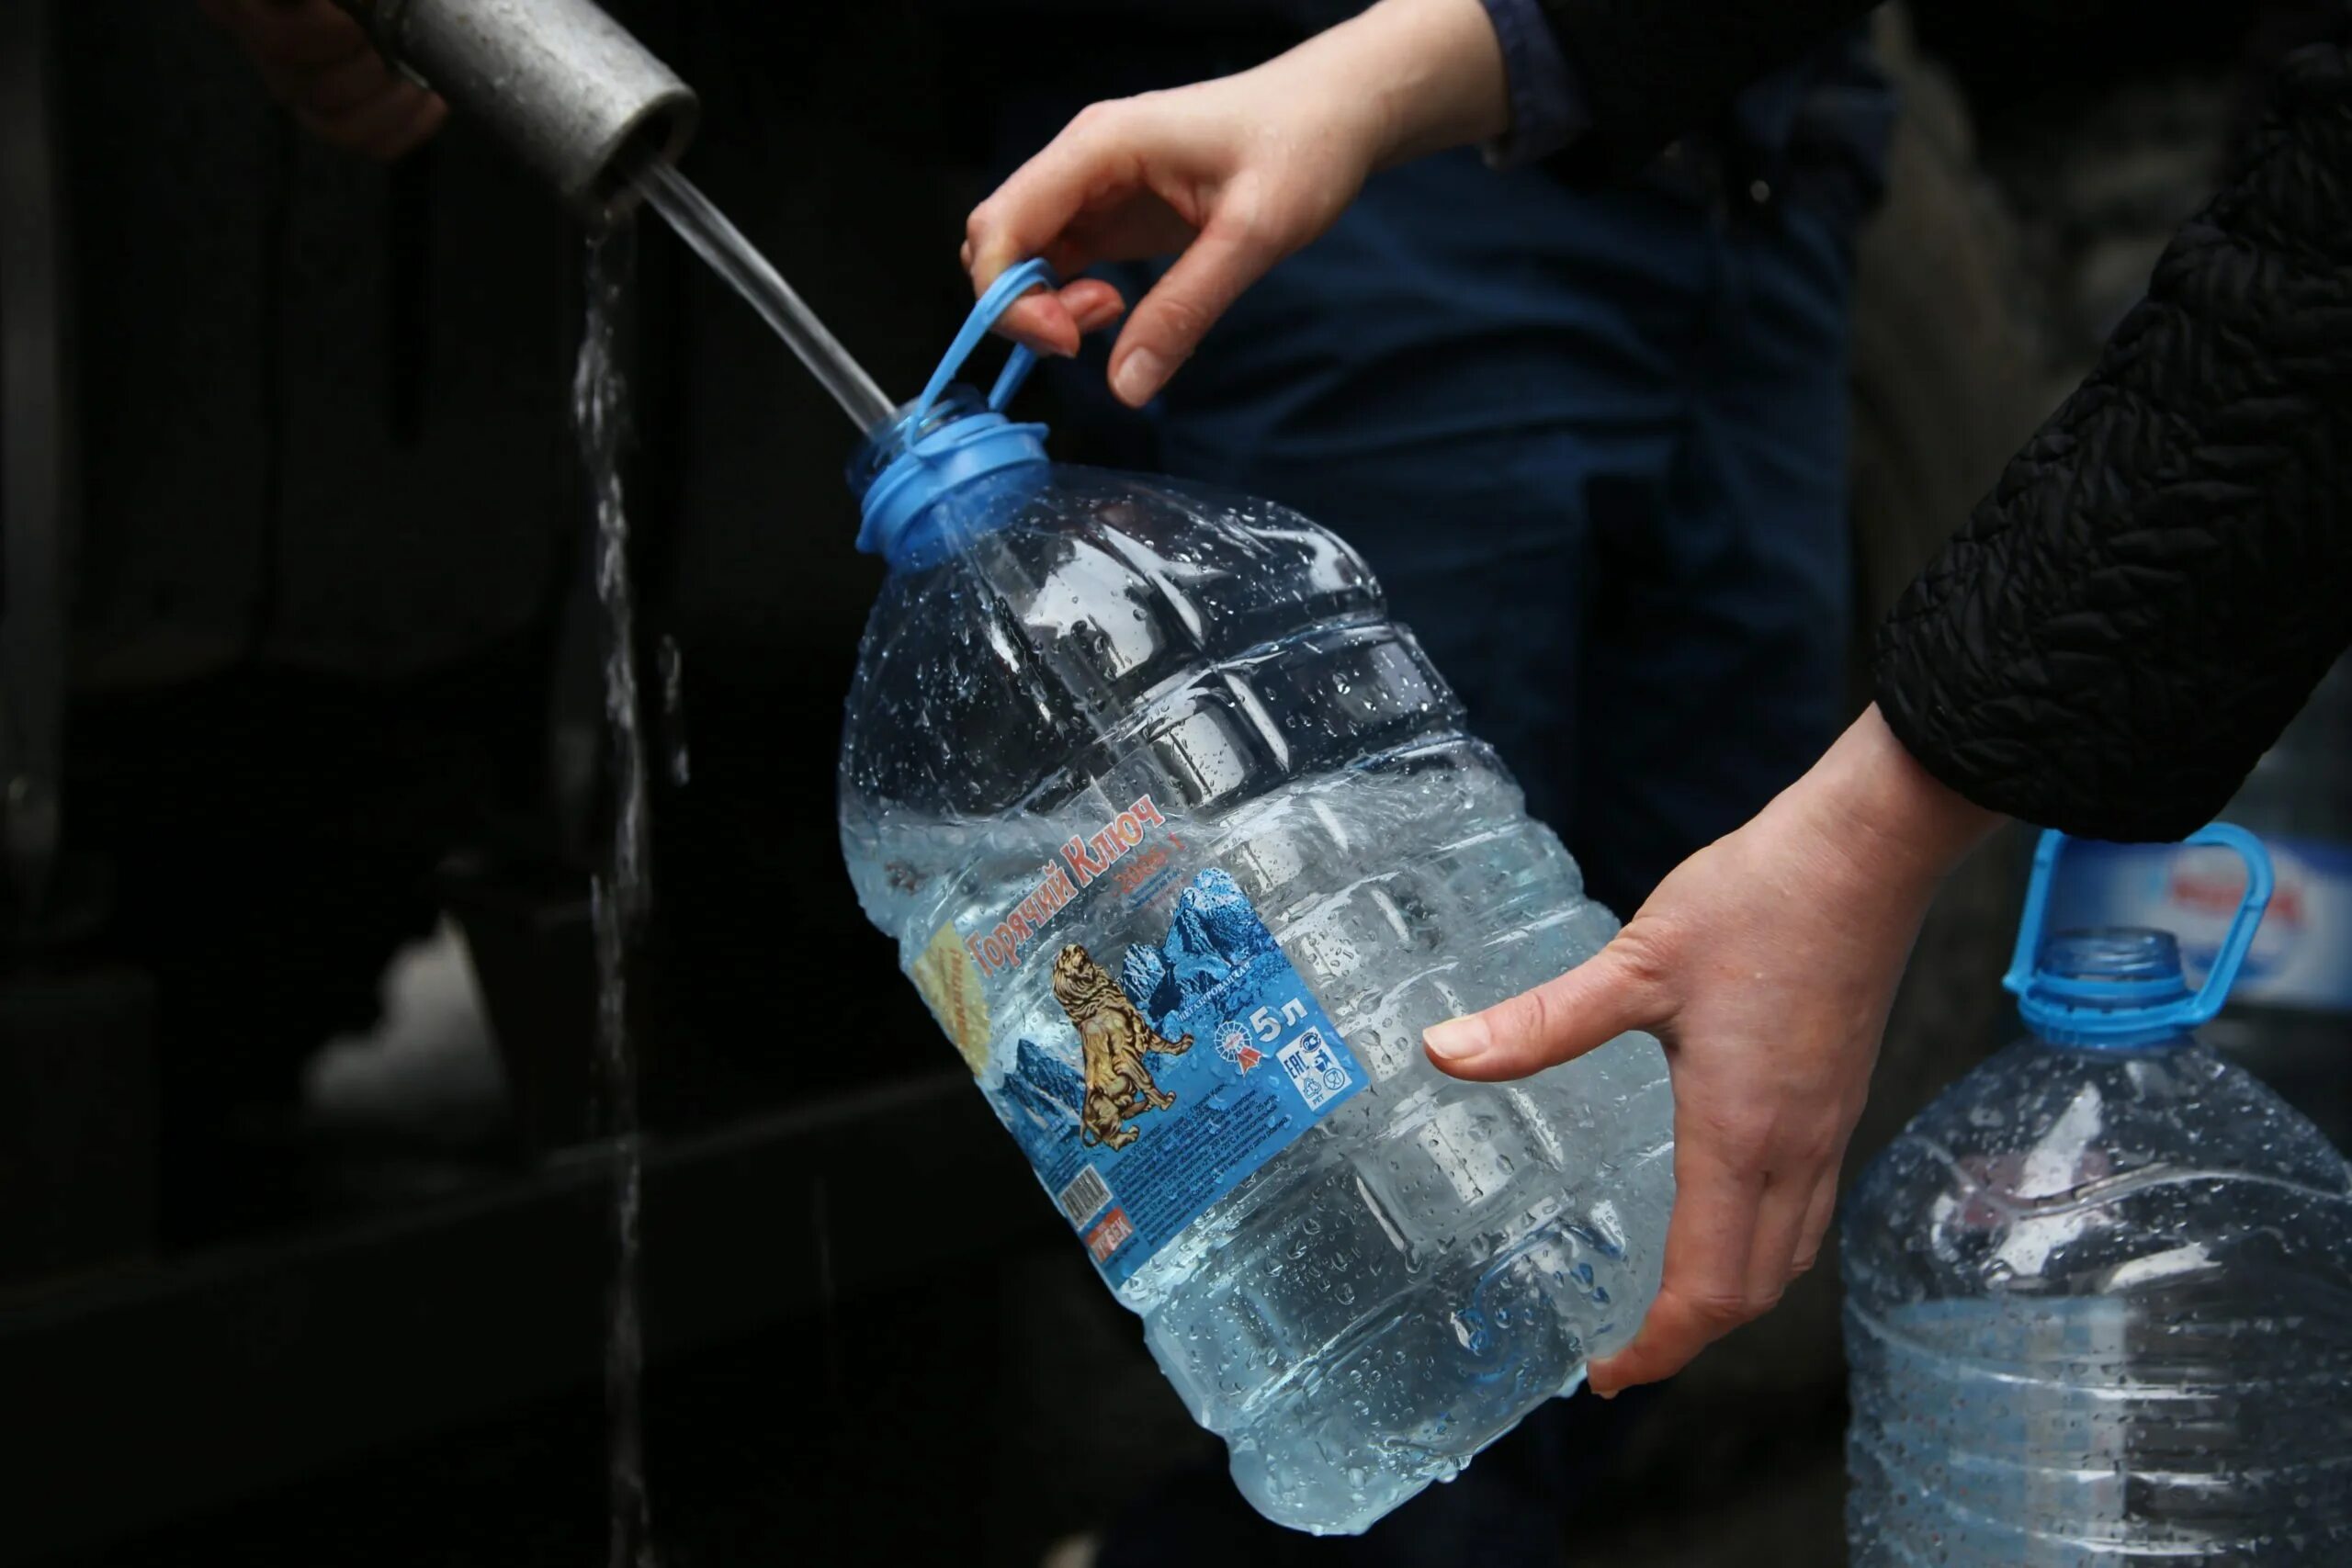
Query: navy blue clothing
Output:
(1594,447)
(1547,102)
(1821,124)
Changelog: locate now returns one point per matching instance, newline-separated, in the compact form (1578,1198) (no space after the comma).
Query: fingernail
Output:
(1138,378)
(1456,1040)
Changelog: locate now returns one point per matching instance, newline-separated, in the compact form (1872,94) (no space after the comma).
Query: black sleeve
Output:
(2166,572)
(1652,70)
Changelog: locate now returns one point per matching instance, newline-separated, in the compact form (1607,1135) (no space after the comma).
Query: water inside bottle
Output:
(1180,836)
(2096,1314)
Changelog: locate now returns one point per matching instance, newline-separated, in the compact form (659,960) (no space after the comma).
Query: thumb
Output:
(1559,1020)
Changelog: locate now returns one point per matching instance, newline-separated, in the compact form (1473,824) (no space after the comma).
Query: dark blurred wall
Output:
(320,402)
(2007,53)
(332,529)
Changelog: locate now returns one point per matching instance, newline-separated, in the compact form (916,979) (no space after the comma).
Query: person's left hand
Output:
(319,63)
(1765,965)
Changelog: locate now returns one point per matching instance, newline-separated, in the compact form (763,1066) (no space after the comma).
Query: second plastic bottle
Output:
(2098,1295)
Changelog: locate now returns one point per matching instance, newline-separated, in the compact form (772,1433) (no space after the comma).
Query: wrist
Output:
(1892,815)
(1428,73)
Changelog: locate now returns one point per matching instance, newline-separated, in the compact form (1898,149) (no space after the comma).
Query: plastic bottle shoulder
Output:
(2066,1171)
(1091,594)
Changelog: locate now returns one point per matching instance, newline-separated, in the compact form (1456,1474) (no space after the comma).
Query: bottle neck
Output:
(2117,989)
(952,472)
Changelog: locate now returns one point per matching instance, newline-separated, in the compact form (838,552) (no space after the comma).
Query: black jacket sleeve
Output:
(2166,570)
(1652,70)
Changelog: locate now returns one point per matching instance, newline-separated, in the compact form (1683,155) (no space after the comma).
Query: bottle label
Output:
(1175,1069)
(2301,956)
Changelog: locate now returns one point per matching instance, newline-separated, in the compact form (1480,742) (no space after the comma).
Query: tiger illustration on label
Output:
(1116,1037)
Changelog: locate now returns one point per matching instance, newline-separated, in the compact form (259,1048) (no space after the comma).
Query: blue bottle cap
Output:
(947,441)
(2122,987)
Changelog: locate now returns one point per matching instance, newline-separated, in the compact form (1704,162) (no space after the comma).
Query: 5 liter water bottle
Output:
(1182,840)
(2099,1294)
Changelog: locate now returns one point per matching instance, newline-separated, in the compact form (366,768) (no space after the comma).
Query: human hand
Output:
(1234,173)
(1765,965)
(319,63)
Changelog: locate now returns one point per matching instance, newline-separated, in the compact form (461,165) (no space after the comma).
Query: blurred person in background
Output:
(317,63)
(2122,629)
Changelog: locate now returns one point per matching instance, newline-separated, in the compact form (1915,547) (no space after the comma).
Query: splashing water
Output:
(600,410)
(732,257)
(672,666)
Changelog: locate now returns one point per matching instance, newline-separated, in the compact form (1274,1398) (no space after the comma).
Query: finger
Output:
(1053,322)
(377,127)
(1040,321)
(294,34)
(1092,304)
(1090,160)
(1820,1214)
(1702,1294)
(339,89)
(1170,320)
(1562,1019)
(1779,1224)
(421,126)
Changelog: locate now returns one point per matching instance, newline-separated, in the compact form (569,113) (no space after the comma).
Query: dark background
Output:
(330,680)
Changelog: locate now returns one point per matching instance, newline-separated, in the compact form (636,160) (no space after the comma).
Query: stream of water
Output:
(623,889)
(600,410)
(733,257)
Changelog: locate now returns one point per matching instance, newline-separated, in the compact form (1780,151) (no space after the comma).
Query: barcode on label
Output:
(1085,1196)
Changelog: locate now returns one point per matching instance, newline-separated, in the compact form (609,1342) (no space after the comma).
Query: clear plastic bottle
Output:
(2099,1293)
(1183,842)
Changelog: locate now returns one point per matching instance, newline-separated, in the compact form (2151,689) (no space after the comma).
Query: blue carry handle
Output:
(2200,1006)
(1010,285)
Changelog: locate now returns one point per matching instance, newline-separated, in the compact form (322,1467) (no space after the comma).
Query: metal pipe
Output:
(583,102)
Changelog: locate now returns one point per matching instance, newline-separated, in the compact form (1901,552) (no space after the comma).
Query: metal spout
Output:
(566,87)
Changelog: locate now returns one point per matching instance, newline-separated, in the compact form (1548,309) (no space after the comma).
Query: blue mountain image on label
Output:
(1039,1101)
(1213,936)
(1153,1123)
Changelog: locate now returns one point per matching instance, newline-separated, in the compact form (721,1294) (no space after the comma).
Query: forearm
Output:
(1642,72)
(1432,72)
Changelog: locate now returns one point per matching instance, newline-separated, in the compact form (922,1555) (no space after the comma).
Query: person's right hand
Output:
(1234,173)
(1765,965)
(318,62)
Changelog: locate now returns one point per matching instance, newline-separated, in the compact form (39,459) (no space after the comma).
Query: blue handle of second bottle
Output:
(2260,881)
(2199,1007)
(2036,912)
